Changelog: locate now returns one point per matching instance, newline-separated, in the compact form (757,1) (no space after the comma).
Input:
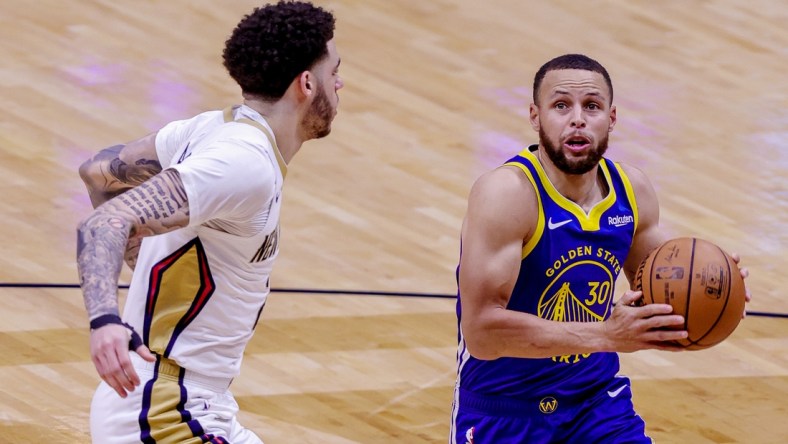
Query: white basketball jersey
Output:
(197,292)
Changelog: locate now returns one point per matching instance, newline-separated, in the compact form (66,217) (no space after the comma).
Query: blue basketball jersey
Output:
(567,274)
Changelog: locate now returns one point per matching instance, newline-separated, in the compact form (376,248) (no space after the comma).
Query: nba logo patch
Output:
(670,273)
(469,435)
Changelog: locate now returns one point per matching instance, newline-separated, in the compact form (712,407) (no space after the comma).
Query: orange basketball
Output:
(701,282)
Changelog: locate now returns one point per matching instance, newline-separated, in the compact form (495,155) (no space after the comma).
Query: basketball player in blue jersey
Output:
(195,209)
(544,238)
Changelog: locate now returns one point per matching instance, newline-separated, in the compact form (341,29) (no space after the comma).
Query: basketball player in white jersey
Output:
(194,210)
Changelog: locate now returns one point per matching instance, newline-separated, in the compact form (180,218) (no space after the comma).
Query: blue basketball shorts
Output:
(606,417)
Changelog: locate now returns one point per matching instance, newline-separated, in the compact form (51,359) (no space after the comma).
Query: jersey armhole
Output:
(537,234)
(630,194)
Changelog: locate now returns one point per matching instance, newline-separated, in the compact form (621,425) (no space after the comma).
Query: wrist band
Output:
(107,319)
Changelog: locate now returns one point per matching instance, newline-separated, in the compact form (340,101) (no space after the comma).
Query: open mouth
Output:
(577,143)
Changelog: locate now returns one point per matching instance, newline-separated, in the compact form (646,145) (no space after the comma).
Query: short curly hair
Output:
(274,44)
(571,61)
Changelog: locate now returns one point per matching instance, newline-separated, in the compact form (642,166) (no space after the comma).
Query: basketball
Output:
(701,282)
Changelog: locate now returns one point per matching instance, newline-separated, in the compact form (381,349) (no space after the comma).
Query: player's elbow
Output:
(482,351)
(88,172)
(481,339)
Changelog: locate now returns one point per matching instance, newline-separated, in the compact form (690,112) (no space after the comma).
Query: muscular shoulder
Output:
(503,199)
(647,207)
(644,191)
(636,176)
(506,183)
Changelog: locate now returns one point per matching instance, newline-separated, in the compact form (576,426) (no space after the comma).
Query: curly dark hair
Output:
(571,61)
(274,44)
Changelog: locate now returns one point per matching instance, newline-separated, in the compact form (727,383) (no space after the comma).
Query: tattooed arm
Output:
(157,206)
(117,169)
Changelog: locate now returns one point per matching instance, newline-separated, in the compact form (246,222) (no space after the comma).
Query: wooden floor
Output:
(436,92)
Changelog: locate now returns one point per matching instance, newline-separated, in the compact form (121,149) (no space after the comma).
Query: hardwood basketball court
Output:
(436,92)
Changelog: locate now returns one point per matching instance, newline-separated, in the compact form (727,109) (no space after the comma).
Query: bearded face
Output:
(568,162)
(574,116)
(317,122)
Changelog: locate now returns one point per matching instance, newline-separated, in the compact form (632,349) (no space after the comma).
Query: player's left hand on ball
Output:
(744,274)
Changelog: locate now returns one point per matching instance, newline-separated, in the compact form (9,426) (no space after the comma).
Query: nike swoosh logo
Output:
(615,392)
(553,226)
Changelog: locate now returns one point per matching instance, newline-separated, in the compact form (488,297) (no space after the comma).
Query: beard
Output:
(574,165)
(317,122)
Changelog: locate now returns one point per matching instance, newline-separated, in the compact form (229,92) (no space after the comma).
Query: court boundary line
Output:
(766,314)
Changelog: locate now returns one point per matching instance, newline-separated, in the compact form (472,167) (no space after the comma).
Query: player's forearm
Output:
(107,174)
(507,333)
(95,173)
(101,242)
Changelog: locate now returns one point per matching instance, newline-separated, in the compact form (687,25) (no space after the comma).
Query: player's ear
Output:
(612,118)
(534,117)
(306,83)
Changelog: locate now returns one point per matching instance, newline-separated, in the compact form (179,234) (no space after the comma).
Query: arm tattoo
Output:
(142,170)
(117,170)
(112,176)
(157,206)
(101,241)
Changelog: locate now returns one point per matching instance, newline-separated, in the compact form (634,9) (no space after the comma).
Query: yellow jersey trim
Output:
(588,222)
(531,244)
(228,117)
(630,193)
